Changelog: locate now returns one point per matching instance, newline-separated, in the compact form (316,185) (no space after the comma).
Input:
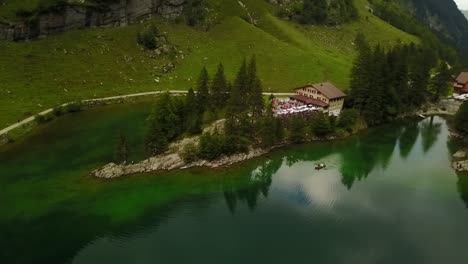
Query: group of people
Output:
(285,107)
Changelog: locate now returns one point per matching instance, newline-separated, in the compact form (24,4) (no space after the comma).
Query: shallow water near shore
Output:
(386,196)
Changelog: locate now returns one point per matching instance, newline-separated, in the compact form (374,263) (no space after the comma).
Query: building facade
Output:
(322,95)
(461,83)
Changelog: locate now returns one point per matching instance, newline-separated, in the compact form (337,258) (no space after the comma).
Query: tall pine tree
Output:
(440,83)
(255,94)
(360,73)
(203,96)
(219,88)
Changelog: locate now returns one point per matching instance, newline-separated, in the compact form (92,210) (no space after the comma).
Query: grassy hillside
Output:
(100,62)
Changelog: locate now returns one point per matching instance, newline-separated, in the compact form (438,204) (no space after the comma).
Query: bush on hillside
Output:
(189,153)
(148,37)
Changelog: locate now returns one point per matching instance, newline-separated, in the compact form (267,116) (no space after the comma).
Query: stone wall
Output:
(73,16)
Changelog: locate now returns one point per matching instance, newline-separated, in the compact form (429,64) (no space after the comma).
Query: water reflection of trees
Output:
(258,185)
(462,185)
(454,145)
(365,153)
(429,133)
(408,139)
(360,156)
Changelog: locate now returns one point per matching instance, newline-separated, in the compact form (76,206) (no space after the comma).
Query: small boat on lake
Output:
(320,166)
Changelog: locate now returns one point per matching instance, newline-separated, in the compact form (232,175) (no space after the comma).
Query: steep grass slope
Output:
(101,62)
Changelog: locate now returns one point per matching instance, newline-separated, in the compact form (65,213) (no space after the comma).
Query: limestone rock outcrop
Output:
(171,161)
(76,16)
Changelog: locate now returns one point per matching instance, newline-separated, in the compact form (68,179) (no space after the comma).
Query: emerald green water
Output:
(387,196)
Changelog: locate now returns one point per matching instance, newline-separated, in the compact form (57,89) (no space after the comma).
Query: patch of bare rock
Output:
(171,161)
(460,162)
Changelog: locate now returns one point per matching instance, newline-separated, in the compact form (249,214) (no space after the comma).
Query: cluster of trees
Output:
(244,112)
(173,116)
(249,119)
(327,12)
(389,83)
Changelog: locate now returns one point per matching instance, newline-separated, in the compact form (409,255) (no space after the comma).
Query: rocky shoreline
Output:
(172,161)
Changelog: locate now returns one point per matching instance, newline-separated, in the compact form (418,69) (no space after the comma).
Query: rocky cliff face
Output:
(74,16)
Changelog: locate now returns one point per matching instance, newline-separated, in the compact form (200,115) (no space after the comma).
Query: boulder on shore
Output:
(460,154)
(460,165)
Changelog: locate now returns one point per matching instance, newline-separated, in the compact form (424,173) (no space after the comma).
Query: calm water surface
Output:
(387,196)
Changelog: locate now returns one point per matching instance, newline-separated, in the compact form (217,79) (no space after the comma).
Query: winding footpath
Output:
(30,119)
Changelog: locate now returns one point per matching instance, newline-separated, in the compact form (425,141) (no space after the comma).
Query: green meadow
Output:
(92,63)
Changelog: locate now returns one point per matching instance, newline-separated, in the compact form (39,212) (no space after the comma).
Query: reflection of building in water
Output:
(322,95)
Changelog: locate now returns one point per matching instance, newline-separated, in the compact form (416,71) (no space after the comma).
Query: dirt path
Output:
(31,118)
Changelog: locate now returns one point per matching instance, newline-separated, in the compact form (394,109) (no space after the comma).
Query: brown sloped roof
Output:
(308,100)
(462,78)
(327,89)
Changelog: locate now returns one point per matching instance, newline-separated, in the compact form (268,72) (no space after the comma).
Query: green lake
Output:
(387,196)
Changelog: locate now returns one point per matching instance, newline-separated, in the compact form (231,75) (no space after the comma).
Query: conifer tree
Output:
(440,83)
(162,125)
(255,95)
(418,81)
(296,129)
(193,120)
(360,73)
(202,91)
(376,88)
(321,125)
(239,91)
(219,88)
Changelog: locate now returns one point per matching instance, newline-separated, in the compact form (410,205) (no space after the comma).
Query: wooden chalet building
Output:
(461,83)
(323,95)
